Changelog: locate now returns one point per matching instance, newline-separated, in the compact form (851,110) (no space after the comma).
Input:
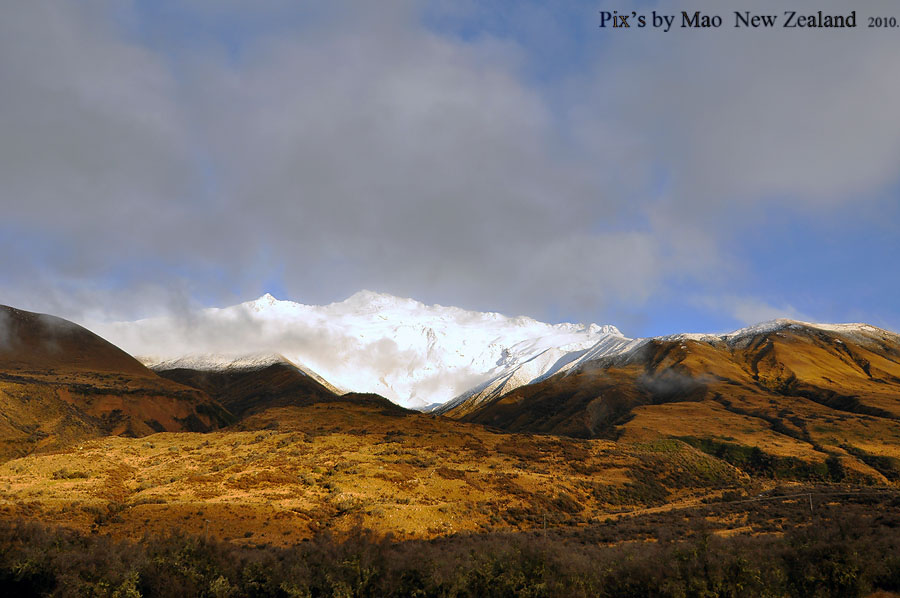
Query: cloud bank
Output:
(512,159)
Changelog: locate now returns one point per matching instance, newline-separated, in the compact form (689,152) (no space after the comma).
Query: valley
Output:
(609,446)
(288,473)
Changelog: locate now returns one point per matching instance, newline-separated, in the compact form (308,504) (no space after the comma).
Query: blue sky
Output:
(504,156)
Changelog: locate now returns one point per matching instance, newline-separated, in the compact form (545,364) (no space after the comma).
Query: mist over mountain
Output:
(412,353)
(420,356)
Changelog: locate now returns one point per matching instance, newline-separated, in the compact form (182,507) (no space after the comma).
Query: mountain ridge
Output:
(224,362)
(412,353)
(785,391)
(415,354)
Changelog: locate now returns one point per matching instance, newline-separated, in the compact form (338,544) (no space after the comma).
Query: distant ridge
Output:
(252,384)
(220,362)
(618,346)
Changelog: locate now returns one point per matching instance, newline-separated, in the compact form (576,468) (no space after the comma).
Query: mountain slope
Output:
(35,342)
(790,389)
(254,384)
(411,353)
(547,363)
(60,382)
(294,472)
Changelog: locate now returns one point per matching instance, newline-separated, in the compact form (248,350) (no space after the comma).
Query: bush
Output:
(847,550)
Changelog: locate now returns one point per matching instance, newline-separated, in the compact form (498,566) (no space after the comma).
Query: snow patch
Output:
(214,362)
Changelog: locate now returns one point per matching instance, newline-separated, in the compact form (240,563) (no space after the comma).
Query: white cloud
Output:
(751,310)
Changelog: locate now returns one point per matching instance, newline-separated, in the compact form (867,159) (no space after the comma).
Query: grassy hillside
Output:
(60,383)
(289,472)
(803,399)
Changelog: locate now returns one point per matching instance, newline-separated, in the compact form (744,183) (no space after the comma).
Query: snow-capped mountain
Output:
(412,353)
(620,348)
(215,362)
(566,360)
(543,365)
(788,375)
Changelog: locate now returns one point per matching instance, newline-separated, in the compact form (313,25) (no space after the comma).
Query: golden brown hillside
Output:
(791,391)
(289,472)
(60,382)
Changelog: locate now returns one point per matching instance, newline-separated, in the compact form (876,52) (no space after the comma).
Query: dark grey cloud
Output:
(92,132)
(359,149)
(95,158)
(412,160)
(371,153)
(798,115)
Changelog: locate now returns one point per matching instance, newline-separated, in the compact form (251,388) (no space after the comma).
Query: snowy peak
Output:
(371,302)
(607,329)
(512,373)
(782,324)
(529,367)
(412,353)
(215,362)
(266,305)
(786,324)
(263,303)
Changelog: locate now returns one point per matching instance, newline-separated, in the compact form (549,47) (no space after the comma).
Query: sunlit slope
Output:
(288,472)
(60,382)
(790,389)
